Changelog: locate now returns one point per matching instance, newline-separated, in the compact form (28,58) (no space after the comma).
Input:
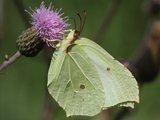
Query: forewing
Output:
(119,84)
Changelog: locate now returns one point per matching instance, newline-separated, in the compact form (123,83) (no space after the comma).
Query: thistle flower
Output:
(48,26)
(49,23)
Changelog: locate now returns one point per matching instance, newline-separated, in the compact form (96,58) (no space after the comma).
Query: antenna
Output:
(82,21)
(74,21)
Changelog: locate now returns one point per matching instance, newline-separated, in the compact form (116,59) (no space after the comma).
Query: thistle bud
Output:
(29,43)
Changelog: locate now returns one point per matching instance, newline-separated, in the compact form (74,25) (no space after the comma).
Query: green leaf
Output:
(84,79)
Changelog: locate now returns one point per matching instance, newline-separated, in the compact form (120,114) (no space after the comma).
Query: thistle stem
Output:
(9,60)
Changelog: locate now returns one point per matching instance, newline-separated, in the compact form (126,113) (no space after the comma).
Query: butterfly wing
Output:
(74,83)
(86,79)
(119,84)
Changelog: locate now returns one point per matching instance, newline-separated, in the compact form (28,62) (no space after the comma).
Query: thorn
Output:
(6,57)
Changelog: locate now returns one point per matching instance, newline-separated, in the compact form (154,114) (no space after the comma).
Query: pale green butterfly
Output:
(84,79)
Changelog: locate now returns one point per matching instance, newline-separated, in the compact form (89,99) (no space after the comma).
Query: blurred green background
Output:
(23,84)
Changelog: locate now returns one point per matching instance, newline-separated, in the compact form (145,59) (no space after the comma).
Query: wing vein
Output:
(69,69)
(82,70)
(56,78)
(69,80)
(104,53)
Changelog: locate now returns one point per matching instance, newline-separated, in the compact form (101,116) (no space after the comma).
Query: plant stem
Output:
(10,60)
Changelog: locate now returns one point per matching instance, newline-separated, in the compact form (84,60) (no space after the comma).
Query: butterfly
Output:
(85,79)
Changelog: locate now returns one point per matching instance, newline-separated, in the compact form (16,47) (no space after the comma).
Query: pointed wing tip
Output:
(68,115)
(87,115)
(130,104)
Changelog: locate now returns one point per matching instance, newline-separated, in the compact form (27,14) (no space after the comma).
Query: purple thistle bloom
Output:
(49,23)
